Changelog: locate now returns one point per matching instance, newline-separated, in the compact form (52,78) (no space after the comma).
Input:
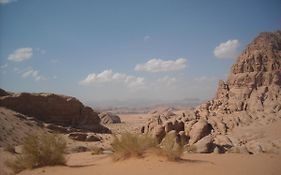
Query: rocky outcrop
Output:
(253,87)
(199,130)
(250,96)
(56,109)
(3,93)
(109,118)
(79,136)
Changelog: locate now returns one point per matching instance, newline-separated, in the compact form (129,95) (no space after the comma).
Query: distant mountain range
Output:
(135,104)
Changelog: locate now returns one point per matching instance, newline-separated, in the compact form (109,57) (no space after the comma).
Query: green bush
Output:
(132,145)
(40,151)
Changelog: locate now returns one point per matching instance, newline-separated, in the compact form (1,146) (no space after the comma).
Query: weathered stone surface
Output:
(159,133)
(92,138)
(56,109)
(204,145)
(199,130)
(3,93)
(251,96)
(78,136)
(108,117)
(85,137)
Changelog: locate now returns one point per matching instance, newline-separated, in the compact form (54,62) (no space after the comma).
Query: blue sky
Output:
(109,50)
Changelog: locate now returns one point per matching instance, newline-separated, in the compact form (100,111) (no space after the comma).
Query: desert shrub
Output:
(171,147)
(132,145)
(136,145)
(40,151)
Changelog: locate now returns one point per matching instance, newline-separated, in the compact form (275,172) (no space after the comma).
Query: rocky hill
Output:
(249,101)
(56,109)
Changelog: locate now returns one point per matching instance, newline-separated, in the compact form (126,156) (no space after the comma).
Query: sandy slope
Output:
(231,164)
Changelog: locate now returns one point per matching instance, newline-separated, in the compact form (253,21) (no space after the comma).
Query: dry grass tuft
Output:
(132,145)
(40,151)
(136,145)
(170,147)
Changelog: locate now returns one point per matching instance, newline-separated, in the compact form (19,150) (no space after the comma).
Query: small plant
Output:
(132,145)
(170,147)
(40,151)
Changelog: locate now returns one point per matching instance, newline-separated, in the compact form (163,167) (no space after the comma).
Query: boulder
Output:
(204,145)
(3,93)
(199,130)
(168,126)
(108,118)
(223,143)
(78,136)
(92,138)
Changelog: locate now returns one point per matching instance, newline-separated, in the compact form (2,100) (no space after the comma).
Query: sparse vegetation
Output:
(170,147)
(136,145)
(132,145)
(40,151)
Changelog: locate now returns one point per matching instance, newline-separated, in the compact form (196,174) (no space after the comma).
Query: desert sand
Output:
(196,164)
(231,164)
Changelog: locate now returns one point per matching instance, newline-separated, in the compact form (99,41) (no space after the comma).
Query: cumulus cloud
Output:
(32,73)
(227,49)
(7,1)
(167,80)
(158,65)
(109,76)
(21,54)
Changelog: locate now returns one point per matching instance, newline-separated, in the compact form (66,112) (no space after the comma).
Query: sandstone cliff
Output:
(249,100)
(57,109)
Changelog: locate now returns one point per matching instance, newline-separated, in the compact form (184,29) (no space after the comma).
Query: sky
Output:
(106,50)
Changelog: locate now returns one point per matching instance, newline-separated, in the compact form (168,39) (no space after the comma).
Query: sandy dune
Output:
(195,164)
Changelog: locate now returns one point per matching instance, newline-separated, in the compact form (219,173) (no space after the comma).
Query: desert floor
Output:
(201,164)
(230,164)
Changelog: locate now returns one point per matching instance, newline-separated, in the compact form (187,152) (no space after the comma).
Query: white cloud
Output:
(109,76)
(21,54)
(7,1)
(158,65)
(146,38)
(167,80)
(227,49)
(33,73)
